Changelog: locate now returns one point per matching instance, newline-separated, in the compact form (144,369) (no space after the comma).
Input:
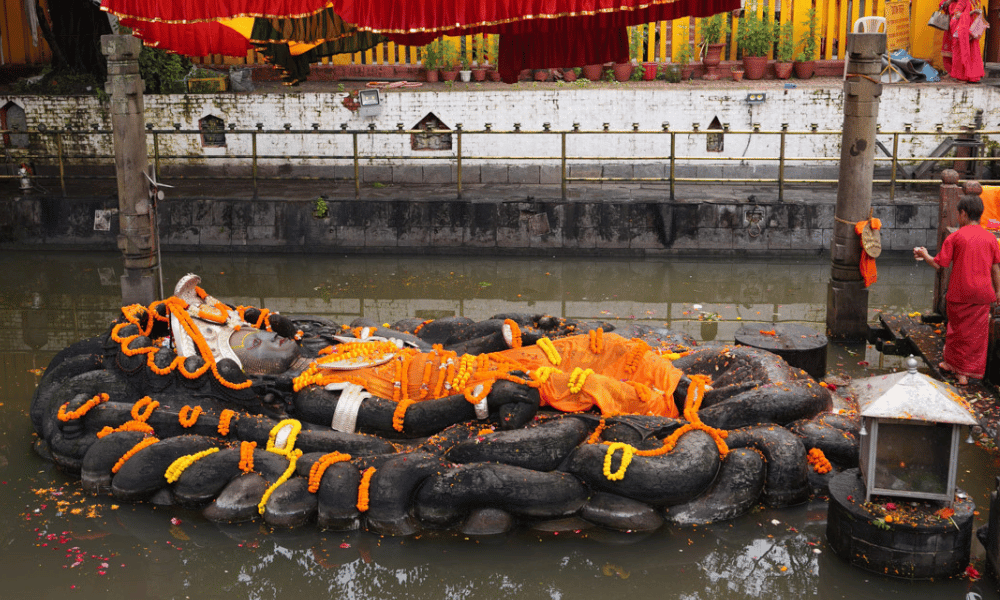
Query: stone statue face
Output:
(263,352)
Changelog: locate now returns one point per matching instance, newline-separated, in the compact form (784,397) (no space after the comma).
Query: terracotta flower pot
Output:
(737,74)
(782,70)
(449,74)
(493,74)
(479,74)
(569,75)
(755,67)
(686,72)
(593,72)
(432,75)
(541,75)
(805,69)
(649,71)
(623,71)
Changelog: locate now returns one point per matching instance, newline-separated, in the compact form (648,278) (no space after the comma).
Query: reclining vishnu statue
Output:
(449,423)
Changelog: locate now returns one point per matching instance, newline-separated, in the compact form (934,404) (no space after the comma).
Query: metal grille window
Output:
(213,132)
(12,118)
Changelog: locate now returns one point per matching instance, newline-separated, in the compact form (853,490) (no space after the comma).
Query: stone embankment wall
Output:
(624,226)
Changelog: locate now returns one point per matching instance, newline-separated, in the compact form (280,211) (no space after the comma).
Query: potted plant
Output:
(684,56)
(493,53)
(432,59)
(756,40)
(623,71)
(805,61)
(570,75)
(709,324)
(449,61)
(464,68)
(592,72)
(713,39)
(786,47)
(737,71)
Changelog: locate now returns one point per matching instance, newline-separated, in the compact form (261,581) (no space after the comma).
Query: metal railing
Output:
(52,150)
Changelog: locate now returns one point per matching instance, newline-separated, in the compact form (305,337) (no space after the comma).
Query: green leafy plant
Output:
(672,73)
(163,72)
(449,55)
(786,41)
(714,29)
(709,316)
(320,208)
(636,41)
(686,54)
(756,34)
(809,42)
(493,48)
(432,54)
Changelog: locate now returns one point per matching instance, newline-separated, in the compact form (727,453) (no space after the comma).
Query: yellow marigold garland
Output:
(399,414)
(542,374)
(177,467)
(366,481)
(246,456)
(224,421)
(189,416)
(143,408)
(292,457)
(577,379)
(627,451)
(320,466)
(76,414)
(125,457)
(286,448)
(550,350)
(818,460)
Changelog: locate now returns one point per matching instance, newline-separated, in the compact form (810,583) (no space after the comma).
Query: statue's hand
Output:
(515,403)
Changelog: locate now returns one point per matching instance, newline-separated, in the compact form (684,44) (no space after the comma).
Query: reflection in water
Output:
(55,543)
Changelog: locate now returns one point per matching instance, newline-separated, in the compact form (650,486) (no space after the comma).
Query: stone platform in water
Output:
(895,538)
(799,345)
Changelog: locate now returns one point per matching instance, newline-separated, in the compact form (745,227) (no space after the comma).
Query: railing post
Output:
(895,163)
(62,168)
(458,173)
(563,175)
(781,163)
(253,150)
(156,153)
(673,163)
(357,169)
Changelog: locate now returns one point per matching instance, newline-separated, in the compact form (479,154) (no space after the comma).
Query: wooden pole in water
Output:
(137,238)
(847,296)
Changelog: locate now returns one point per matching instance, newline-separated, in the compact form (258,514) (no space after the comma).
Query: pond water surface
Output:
(59,543)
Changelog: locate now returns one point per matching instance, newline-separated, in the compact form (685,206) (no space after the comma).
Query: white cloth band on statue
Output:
(482,409)
(345,416)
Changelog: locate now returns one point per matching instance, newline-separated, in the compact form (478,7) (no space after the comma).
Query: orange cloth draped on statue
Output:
(618,376)
(991,207)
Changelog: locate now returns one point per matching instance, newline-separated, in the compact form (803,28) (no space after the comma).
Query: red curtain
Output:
(190,39)
(188,11)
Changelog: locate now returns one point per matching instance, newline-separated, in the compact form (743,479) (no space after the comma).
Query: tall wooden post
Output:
(847,296)
(136,238)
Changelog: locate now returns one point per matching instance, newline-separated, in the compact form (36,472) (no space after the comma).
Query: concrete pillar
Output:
(847,297)
(137,232)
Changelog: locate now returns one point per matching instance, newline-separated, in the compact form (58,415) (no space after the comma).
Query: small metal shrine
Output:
(909,435)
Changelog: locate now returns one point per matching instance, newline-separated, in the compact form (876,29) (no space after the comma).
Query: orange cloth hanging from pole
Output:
(867,264)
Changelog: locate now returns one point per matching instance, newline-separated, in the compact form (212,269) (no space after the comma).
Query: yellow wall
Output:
(16,46)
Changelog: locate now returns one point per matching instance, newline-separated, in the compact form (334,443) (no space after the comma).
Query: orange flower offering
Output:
(818,460)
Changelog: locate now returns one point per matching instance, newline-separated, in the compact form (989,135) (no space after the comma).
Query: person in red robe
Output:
(962,56)
(974,285)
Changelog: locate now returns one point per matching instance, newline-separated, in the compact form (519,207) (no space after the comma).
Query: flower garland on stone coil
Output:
(139,426)
(177,308)
(366,481)
(64,416)
(320,466)
(399,414)
(818,460)
(143,408)
(124,459)
(173,472)
(696,392)
(281,441)
(246,456)
(189,416)
(515,333)
(224,421)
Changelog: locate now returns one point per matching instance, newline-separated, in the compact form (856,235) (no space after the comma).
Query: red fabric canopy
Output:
(190,39)
(191,11)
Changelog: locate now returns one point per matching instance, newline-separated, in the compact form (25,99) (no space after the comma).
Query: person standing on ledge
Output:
(974,285)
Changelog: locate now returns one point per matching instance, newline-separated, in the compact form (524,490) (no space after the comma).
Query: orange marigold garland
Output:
(224,420)
(143,408)
(189,416)
(597,340)
(124,459)
(399,414)
(515,333)
(320,466)
(76,414)
(818,460)
(246,456)
(366,481)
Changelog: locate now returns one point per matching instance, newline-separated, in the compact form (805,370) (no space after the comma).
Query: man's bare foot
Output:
(961,380)
(945,366)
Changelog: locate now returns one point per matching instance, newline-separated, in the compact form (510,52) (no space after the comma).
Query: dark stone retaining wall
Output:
(449,226)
